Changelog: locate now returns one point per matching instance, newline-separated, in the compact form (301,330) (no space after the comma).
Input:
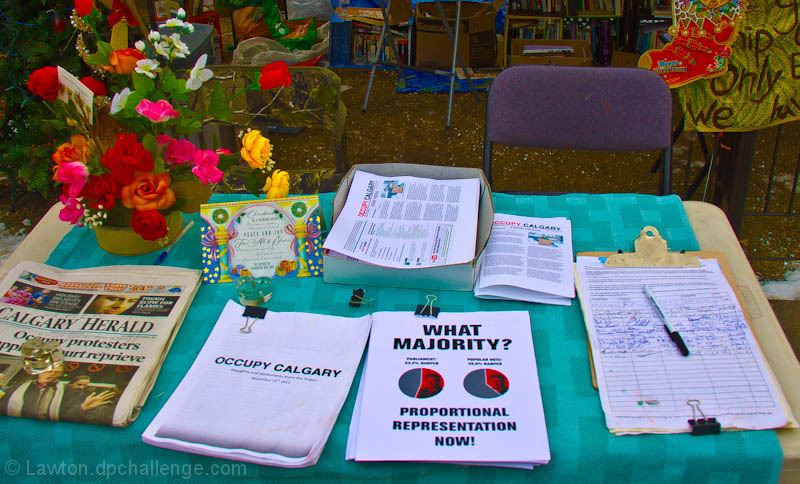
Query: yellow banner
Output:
(761,87)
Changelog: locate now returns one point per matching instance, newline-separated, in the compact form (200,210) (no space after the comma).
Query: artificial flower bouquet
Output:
(129,162)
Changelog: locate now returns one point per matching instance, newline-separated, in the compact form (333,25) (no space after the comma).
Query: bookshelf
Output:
(597,22)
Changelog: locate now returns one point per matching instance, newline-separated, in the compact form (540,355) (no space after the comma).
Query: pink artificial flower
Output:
(73,175)
(205,166)
(179,151)
(163,140)
(157,112)
(223,151)
(72,211)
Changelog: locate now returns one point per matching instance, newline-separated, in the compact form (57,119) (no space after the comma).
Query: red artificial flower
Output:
(273,75)
(126,157)
(121,10)
(149,224)
(97,87)
(83,7)
(101,191)
(44,83)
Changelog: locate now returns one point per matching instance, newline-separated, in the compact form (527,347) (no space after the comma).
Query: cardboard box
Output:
(454,277)
(581,57)
(477,42)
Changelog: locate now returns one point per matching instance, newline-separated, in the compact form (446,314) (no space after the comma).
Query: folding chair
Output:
(386,36)
(580,108)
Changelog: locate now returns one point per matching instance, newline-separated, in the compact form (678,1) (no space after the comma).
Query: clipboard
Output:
(650,250)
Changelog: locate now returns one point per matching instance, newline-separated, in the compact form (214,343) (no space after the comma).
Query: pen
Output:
(163,254)
(673,335)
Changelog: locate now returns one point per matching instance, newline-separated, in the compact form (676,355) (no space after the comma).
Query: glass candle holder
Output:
(39,356)
(253,291)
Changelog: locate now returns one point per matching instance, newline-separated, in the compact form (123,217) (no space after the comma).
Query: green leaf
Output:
(158,164)
(192,194)
(228,161)
(218,108)
(101,57)
(104,47)
(169,83)
(143,84)
(255,182)
(132,102)
(97,59)
(189,125)
(150,144)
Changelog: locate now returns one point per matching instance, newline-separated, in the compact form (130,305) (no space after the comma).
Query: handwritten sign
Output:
(760,88)
(268,238)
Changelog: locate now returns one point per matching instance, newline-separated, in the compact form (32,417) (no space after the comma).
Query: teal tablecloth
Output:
(582,448)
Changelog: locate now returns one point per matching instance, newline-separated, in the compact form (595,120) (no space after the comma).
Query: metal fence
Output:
(754,178)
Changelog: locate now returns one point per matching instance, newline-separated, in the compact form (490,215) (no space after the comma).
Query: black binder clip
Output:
(252,313)
(357,299)
(428,309)
(704,425)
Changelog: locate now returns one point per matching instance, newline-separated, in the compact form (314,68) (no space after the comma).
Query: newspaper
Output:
(407,222)
(114,325)
(528,259)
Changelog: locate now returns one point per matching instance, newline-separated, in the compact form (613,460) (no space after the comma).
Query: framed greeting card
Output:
(269,238)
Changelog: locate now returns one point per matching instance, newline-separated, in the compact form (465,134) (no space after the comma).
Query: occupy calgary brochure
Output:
(113,325)
(407,222)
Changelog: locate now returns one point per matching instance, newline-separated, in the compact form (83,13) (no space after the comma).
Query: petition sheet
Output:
(407,222)
(529,259)
(644,381)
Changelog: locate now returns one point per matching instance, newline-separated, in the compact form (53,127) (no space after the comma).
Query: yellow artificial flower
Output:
(256,149)
(277,185)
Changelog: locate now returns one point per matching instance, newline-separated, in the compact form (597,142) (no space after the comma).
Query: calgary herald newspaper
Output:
(114,326)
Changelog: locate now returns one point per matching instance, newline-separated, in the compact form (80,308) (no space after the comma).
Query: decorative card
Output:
(72,89)
(269,238)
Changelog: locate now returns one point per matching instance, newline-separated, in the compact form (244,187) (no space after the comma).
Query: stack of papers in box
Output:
(461,388)
(528,259)
(407,222)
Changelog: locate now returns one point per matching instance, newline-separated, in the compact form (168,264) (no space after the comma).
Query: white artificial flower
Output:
(162,48)
(181,14)
(140,45)
(180,49)
(148,67)
(188,28)
(119,99)
(174,23)
(154,36)
(199,74)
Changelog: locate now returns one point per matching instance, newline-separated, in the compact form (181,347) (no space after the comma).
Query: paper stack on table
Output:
(528,259)
(269,396)
(407,222)
(461,388)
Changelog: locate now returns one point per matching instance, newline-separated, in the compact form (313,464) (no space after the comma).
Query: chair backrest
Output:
(579,108)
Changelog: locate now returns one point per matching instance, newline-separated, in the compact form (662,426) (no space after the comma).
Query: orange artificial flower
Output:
(148,192)
(75,150)
(123,61)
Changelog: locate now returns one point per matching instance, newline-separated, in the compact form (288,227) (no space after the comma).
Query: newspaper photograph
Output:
(407,222)
(113,325)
